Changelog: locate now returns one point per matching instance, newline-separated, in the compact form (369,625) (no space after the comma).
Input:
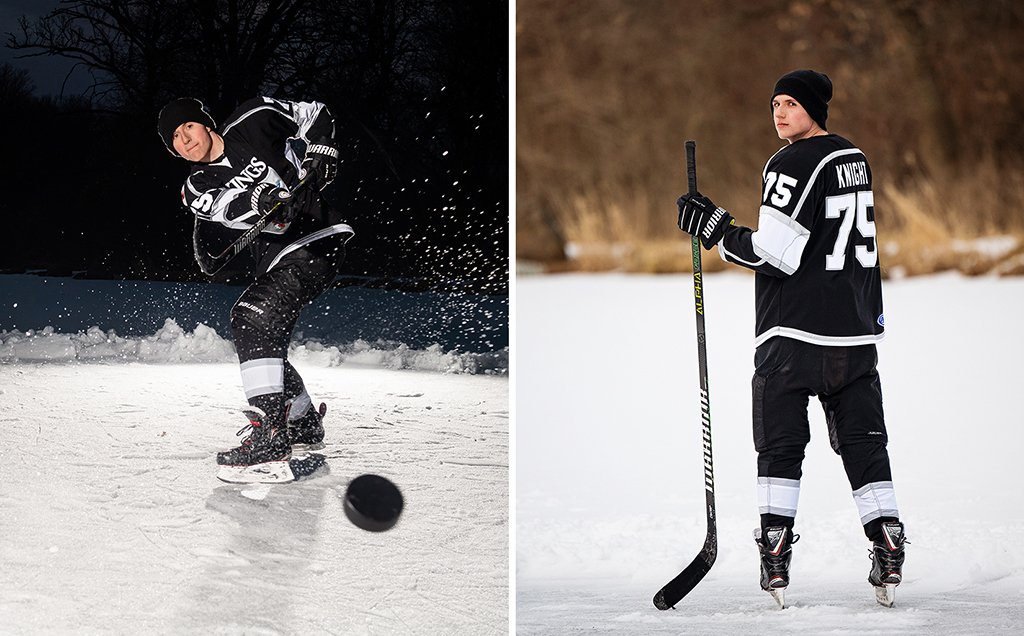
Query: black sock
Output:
(770,521)
(272,404)
(873,528)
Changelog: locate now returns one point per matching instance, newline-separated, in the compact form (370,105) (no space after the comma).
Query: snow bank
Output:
(172,344)
(62,319)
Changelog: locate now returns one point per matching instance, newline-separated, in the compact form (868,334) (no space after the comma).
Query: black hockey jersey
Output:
(265,141)
(814,250)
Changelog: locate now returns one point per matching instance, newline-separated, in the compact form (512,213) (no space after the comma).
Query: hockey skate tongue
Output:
(775,537)
(892,532)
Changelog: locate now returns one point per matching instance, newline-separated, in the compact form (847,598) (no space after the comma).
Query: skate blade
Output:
(266,473)
(779,594)
(886,595)
(278,472)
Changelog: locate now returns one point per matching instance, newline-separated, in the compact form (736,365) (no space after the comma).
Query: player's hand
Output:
(268,199)
(321,161)
(699,216)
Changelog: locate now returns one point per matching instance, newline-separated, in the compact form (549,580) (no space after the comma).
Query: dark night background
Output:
(418,90)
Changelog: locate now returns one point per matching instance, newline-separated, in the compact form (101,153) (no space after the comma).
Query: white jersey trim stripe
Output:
(315,236)
(814,175)
(764,171)
(728,256)
(250,112)
(192,188)
(818,339)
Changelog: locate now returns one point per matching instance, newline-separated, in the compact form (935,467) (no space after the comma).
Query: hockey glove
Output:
(699,216)
(321,161)
(268,199)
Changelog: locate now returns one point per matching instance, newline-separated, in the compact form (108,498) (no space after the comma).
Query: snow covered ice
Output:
(112,520)
(609,469)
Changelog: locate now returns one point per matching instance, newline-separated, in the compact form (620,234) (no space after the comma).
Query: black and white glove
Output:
(321,161)
(700,217)
(267,199)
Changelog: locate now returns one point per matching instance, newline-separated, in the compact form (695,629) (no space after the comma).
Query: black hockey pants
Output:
(846,382)
(264,317)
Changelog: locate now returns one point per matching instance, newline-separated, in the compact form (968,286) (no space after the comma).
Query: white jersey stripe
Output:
(244,115)
(729,257)
(340,228)
(818,339)
(814,176)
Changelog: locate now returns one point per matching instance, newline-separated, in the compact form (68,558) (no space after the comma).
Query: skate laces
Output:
(251,428)
(888,559)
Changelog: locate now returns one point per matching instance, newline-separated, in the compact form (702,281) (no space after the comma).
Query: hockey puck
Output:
(373,503)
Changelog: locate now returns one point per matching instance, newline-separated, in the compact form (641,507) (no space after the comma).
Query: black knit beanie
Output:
(176,113)
(811,89)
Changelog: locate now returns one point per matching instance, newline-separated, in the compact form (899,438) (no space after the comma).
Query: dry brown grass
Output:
(606,232)
(934,223)
(608,90)
(927,225)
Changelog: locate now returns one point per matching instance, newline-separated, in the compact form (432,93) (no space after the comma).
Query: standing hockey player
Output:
(240,173)
(819,314)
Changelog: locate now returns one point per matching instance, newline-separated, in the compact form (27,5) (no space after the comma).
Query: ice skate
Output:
(262,457)
(307,431)
(887,563)
(776,552)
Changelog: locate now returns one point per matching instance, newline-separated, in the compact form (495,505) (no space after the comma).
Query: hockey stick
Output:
(217,263)
(677,588)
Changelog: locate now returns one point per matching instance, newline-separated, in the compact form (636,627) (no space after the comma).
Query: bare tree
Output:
(140,52)
(15,85)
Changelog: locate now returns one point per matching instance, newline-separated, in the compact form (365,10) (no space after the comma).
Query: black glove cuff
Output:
(714,227)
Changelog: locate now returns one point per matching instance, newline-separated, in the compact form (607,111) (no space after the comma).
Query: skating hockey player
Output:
(818,296)
(241,172)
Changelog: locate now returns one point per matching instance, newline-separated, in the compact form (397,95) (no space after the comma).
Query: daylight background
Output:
(608,91)
(609,487)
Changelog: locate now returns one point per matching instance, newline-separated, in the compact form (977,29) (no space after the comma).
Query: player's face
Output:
(791,120)
(192,140)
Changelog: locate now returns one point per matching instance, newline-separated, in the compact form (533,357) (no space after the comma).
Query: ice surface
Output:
(609,472)
(111,519)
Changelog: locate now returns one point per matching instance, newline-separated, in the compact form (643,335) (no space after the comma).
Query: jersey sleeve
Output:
(313,120)
(210,200)
(784,223)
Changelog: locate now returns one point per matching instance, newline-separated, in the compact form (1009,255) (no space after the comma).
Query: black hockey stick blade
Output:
(685,581)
